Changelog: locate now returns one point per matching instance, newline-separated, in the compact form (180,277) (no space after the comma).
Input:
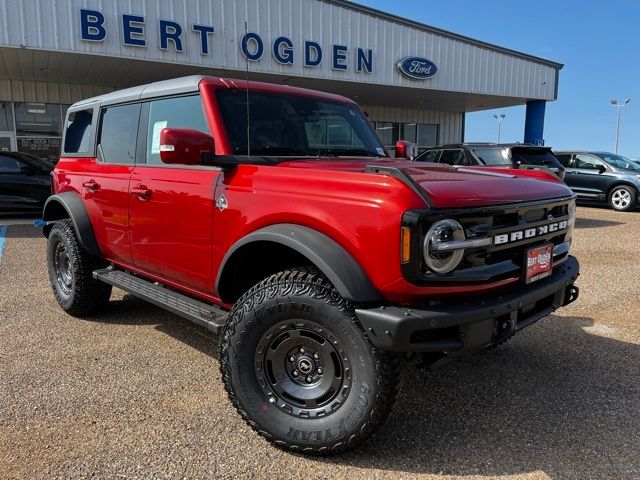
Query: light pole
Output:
(499,117)
(619,106)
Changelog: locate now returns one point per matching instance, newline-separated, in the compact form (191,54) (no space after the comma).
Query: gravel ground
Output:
(135,392)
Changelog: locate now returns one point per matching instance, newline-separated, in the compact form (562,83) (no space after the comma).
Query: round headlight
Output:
(440,257)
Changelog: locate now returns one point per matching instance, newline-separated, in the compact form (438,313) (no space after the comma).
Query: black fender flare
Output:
(342,270)
(71,203)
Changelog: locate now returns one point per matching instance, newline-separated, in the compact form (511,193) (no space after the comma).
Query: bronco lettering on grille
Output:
(529,233)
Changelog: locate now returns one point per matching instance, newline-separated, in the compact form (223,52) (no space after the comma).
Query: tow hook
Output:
(571,294)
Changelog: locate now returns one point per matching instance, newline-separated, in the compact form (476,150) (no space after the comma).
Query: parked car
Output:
(511,155)
(317,258)
(602,177)
(25,184)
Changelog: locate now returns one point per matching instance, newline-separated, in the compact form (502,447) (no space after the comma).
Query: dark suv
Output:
(25,184)
(513,155)
(602,177)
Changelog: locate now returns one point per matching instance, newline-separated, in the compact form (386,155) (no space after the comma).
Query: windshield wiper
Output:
(287,151)
(348,152)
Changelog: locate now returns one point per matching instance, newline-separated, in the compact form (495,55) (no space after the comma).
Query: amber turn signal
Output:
(405,254)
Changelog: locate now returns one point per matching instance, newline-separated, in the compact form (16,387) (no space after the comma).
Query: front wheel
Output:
(300,370)
(622,198)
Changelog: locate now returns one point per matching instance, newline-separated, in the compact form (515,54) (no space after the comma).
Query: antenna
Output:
(246,77)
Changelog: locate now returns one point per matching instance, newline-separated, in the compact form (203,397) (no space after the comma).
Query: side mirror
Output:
(602,169)
(182,146)
(26,170)
(405,150)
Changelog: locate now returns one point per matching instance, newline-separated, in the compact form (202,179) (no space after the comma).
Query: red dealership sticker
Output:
(539,262)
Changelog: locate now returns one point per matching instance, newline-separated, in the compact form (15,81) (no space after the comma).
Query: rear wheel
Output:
(70,272)
(299,368)
(622,198)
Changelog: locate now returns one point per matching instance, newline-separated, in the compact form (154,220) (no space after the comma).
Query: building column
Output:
(534,122)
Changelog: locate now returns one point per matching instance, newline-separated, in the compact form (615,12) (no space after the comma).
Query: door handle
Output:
(91,185)
(141,192)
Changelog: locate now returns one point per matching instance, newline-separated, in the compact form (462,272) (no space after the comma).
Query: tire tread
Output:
(309,281)
(89,295)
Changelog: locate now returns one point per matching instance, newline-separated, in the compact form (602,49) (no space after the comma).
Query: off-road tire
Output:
(84,295)
(298,297)
(622,198)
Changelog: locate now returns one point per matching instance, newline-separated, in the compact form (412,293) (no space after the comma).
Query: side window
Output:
(118,133)
(587,162)
(9,165)
(78,131)
(428,156)
(179,112)
(564,159)
(452,157)
(470,159)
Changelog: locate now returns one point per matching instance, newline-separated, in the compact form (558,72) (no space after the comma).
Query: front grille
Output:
(495,262)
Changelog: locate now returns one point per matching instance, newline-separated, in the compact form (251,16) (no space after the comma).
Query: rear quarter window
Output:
(78,131)
(534,156)
(428,156)
(563,158)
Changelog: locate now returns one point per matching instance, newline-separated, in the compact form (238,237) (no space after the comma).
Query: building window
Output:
(427,136)
(389,134)
(6,117)
(421,134)
(38,119)
(47,148)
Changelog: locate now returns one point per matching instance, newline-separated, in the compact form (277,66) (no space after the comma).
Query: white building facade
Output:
(414,81)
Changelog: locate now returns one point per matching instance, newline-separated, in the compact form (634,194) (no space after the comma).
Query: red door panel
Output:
(171,216)
(105,190)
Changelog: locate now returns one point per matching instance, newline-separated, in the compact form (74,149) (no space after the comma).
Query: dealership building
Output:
(414,81)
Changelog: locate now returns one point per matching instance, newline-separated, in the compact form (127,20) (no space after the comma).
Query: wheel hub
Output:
(302,369)
(621,198)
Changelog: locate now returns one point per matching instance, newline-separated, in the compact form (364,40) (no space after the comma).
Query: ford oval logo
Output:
(417,67)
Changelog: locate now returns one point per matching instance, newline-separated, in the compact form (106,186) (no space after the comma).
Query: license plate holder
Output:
(538,263)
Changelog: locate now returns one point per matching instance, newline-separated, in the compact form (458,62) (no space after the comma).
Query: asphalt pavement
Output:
(135,392)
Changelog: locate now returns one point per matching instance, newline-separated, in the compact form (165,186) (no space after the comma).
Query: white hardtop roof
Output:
(174,86)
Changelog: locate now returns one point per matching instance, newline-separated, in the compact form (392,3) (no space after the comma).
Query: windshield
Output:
(619,161)
(492,156)
(294,125)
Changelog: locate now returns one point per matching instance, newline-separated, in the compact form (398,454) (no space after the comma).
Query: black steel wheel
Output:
(299,368)
(70,272)
(302,368)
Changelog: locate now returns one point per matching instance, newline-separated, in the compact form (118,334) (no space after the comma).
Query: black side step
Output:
(208,316)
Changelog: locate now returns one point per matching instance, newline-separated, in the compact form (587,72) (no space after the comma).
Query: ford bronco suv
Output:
(274,216)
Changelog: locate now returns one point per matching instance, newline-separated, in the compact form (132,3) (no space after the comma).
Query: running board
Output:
(203,314)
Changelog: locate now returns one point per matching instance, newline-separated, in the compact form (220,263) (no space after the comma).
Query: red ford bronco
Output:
(274,216)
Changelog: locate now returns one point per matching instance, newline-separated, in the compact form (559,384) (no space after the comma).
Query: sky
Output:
(597,41)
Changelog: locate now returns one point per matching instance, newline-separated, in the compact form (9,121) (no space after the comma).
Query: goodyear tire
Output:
(70,272)
(622,198)
(299,368)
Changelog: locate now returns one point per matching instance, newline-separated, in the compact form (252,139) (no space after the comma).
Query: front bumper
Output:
(468,326)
